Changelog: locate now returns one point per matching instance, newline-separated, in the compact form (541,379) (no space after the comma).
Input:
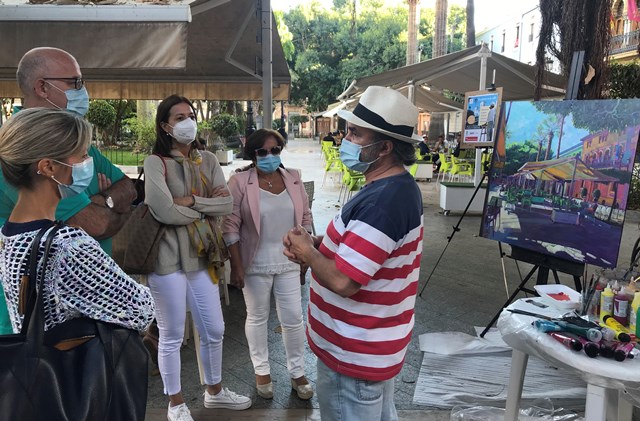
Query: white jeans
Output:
(257,297)
(172,293)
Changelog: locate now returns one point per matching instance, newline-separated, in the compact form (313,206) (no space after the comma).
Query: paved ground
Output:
(466,290)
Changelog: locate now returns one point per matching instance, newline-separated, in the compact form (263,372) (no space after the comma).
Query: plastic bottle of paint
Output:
(621,307)
(606,302)
(633,319)
(595,301)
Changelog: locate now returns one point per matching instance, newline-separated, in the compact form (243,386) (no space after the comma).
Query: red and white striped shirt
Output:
(376,240)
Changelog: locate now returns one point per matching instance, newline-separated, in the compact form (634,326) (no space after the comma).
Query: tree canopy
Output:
(327,49)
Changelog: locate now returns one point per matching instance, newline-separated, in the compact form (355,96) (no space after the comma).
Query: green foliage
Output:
(297,119)
(518,154)
(144,132)
(102,115)
(624,80)
(456,28)
(286,37)
(225,125)
(124,157)
(355,39)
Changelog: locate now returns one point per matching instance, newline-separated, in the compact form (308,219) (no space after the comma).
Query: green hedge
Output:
(624,82)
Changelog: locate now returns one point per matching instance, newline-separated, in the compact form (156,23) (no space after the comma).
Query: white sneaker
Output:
(179,413)
(226,399)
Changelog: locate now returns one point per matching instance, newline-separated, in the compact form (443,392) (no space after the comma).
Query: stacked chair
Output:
(459,169)
(332,163)
(445,165)
(351,181)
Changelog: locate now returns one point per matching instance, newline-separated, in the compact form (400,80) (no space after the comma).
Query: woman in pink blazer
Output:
(268,200)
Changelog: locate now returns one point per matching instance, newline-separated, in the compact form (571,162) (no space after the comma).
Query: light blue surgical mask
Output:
(350,156)
(81,176)
(269,163)
(77,100)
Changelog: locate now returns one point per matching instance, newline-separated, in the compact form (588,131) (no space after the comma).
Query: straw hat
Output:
(385,111)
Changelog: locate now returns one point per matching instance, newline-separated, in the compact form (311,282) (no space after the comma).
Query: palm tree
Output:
(412,31)
(440,36)
(471,28)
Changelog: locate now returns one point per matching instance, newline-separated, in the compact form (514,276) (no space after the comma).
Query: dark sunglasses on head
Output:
(273,151)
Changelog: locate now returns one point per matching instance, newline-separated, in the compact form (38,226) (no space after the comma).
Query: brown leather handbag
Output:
(135,246)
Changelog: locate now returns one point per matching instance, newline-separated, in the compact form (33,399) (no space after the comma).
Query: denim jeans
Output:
(344,398)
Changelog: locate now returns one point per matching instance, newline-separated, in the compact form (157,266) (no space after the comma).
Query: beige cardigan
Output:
(176,252)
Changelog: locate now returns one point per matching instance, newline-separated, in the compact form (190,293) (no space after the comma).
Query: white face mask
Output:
(184,131)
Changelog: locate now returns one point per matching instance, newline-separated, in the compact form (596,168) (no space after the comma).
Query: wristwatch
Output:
(108,200)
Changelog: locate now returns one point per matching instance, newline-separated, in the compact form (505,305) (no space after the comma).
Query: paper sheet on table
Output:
(451,343)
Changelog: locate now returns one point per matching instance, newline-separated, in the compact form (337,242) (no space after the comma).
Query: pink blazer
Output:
(243,224)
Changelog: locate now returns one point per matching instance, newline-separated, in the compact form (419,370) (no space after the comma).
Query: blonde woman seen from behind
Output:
(185,189)
(43,154)
(268,201)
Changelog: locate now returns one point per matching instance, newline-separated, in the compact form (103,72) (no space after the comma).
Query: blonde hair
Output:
(38,133)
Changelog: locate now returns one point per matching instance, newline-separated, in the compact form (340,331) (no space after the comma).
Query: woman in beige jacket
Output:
(268,200)
(185,190)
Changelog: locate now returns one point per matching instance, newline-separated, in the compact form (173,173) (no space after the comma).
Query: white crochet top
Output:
(81,281)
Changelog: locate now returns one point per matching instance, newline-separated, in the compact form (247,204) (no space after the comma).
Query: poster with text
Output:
(482,110)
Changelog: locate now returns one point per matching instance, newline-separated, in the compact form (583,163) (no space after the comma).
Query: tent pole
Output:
(267,56)
(411,92)
(484,53)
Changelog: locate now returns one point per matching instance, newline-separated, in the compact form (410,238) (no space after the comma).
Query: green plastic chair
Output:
(445,165)
(460,169)
(333,164)
(351,181)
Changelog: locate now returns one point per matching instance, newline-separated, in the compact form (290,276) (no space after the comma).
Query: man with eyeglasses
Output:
(51,78)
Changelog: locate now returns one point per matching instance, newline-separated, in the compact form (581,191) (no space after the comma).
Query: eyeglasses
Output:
(78,82)
(273,151)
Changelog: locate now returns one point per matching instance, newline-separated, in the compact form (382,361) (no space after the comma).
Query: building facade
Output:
(517,38)
(625,31)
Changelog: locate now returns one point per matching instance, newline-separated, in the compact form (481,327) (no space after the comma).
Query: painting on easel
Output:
(560,177)
(482,111)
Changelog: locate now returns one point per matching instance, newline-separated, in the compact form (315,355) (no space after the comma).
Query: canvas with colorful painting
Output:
(560,177)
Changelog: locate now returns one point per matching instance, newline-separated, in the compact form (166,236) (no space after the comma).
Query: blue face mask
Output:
(350,156)
(81,176)
(269,163)
(77,100)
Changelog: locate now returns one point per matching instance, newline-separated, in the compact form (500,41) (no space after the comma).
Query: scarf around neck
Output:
(205,234)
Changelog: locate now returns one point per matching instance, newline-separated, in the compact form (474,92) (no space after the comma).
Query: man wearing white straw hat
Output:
(365,269)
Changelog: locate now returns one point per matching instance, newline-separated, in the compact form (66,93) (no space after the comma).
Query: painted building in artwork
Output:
(609,153)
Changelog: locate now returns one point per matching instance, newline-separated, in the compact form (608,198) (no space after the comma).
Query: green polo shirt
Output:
(72,205)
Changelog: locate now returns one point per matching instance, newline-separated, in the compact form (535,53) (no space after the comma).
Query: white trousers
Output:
(257,297)
(172,293)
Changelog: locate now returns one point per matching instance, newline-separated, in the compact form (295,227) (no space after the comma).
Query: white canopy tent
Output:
(204,50)
(460,72)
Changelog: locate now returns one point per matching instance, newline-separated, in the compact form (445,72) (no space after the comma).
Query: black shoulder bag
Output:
(82,369)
